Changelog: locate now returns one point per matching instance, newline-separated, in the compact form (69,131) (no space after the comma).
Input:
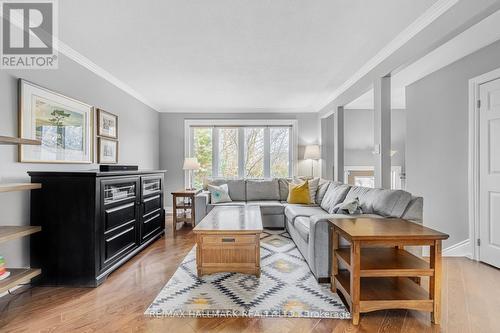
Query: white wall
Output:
(138,136)
(437,141)
(358,137)
(172,141)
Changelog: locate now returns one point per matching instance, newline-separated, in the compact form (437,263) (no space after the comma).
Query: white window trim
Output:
(293,123)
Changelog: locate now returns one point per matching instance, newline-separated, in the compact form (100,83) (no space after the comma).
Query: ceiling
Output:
(234,55)
(481,34)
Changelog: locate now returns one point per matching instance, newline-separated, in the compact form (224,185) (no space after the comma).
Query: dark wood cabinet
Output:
(92,222)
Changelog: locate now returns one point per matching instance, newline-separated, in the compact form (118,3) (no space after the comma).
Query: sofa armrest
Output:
(201,200)
(319,244)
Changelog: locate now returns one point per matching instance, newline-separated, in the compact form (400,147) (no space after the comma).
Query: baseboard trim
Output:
(461,249)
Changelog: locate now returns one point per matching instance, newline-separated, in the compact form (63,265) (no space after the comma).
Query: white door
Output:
(489,169)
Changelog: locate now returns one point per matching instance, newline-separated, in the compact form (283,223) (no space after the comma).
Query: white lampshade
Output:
(191,163)
(312,152)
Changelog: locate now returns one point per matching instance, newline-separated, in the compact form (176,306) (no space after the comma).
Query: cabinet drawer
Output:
(152,204)
(151,185)
(119,191)
(119,244)
(229,239)
(151,225)
(117,216)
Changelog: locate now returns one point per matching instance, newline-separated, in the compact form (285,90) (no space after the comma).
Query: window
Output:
(228,152)
(280,152)
(254,152)
(248,150)
(202,149)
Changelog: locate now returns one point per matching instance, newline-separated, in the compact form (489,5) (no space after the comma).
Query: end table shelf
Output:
(380,262)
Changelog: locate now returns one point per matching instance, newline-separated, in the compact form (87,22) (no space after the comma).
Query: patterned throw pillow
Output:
(219,194)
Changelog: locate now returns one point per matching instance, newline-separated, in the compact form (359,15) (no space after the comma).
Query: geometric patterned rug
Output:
(286,288)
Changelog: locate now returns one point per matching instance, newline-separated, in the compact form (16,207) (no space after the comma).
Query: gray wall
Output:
(437,141)
(172,141)
(358,137)
(138,136)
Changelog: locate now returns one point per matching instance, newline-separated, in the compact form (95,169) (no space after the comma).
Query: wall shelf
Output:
(8,233)
(18,276)
(19,187)
(9,140)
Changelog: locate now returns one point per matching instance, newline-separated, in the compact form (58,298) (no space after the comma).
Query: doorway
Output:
(485,168)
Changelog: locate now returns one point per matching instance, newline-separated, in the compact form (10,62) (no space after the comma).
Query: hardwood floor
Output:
(471,302)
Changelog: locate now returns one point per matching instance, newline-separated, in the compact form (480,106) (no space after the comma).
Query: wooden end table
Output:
(228,240)
(378,273)
(186,206)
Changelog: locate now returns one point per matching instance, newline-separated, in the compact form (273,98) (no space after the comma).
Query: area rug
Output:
(286,288)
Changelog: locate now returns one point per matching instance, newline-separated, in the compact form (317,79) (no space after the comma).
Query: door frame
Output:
(473,163)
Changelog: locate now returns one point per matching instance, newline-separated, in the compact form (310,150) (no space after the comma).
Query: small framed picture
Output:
(108,151)
(107,124)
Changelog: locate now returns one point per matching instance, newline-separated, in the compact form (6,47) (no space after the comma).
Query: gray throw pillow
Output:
(348,207)
(219,194)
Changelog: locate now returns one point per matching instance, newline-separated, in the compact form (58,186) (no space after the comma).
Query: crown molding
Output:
(99,71)
(235,110)
(423,21)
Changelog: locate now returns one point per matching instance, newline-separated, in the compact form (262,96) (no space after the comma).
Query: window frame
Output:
(241,124)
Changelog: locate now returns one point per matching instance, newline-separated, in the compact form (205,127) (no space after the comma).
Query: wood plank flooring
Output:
(471,303)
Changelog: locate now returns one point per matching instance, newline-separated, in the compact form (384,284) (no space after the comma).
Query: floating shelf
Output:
(18,276)
(8,140)
(19,187)
(13,232)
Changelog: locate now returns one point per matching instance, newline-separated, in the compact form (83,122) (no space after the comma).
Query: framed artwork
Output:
(108,151)
(63,125)
(107,124)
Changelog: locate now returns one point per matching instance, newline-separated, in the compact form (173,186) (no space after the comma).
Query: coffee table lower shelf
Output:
(378,293)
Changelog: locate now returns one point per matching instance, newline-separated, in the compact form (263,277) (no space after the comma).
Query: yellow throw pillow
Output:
(299,193)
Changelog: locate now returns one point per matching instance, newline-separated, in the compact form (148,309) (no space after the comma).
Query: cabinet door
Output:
(120,201)
(152,214)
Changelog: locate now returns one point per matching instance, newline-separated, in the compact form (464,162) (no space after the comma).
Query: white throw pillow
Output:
(219,194)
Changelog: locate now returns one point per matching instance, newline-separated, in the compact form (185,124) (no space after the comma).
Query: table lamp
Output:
(190,164)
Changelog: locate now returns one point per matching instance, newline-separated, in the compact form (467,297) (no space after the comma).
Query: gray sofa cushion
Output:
(302,225)
(322,188)
(232,203)
(269,207)
(293,211)
(366,197)
(391,203)
(414,210)
(267,189)
(283,185)
(335,194)
(237,187)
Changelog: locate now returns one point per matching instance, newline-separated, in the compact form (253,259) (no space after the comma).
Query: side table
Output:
(183,210)
(372,277)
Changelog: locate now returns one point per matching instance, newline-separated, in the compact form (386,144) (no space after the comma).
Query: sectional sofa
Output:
(308,224)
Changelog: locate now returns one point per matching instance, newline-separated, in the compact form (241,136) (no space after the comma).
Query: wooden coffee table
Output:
(375,272)
(228,240)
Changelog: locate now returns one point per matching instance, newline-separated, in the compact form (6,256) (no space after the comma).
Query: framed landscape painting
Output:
(107,124)
(108,151)
(62,124)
